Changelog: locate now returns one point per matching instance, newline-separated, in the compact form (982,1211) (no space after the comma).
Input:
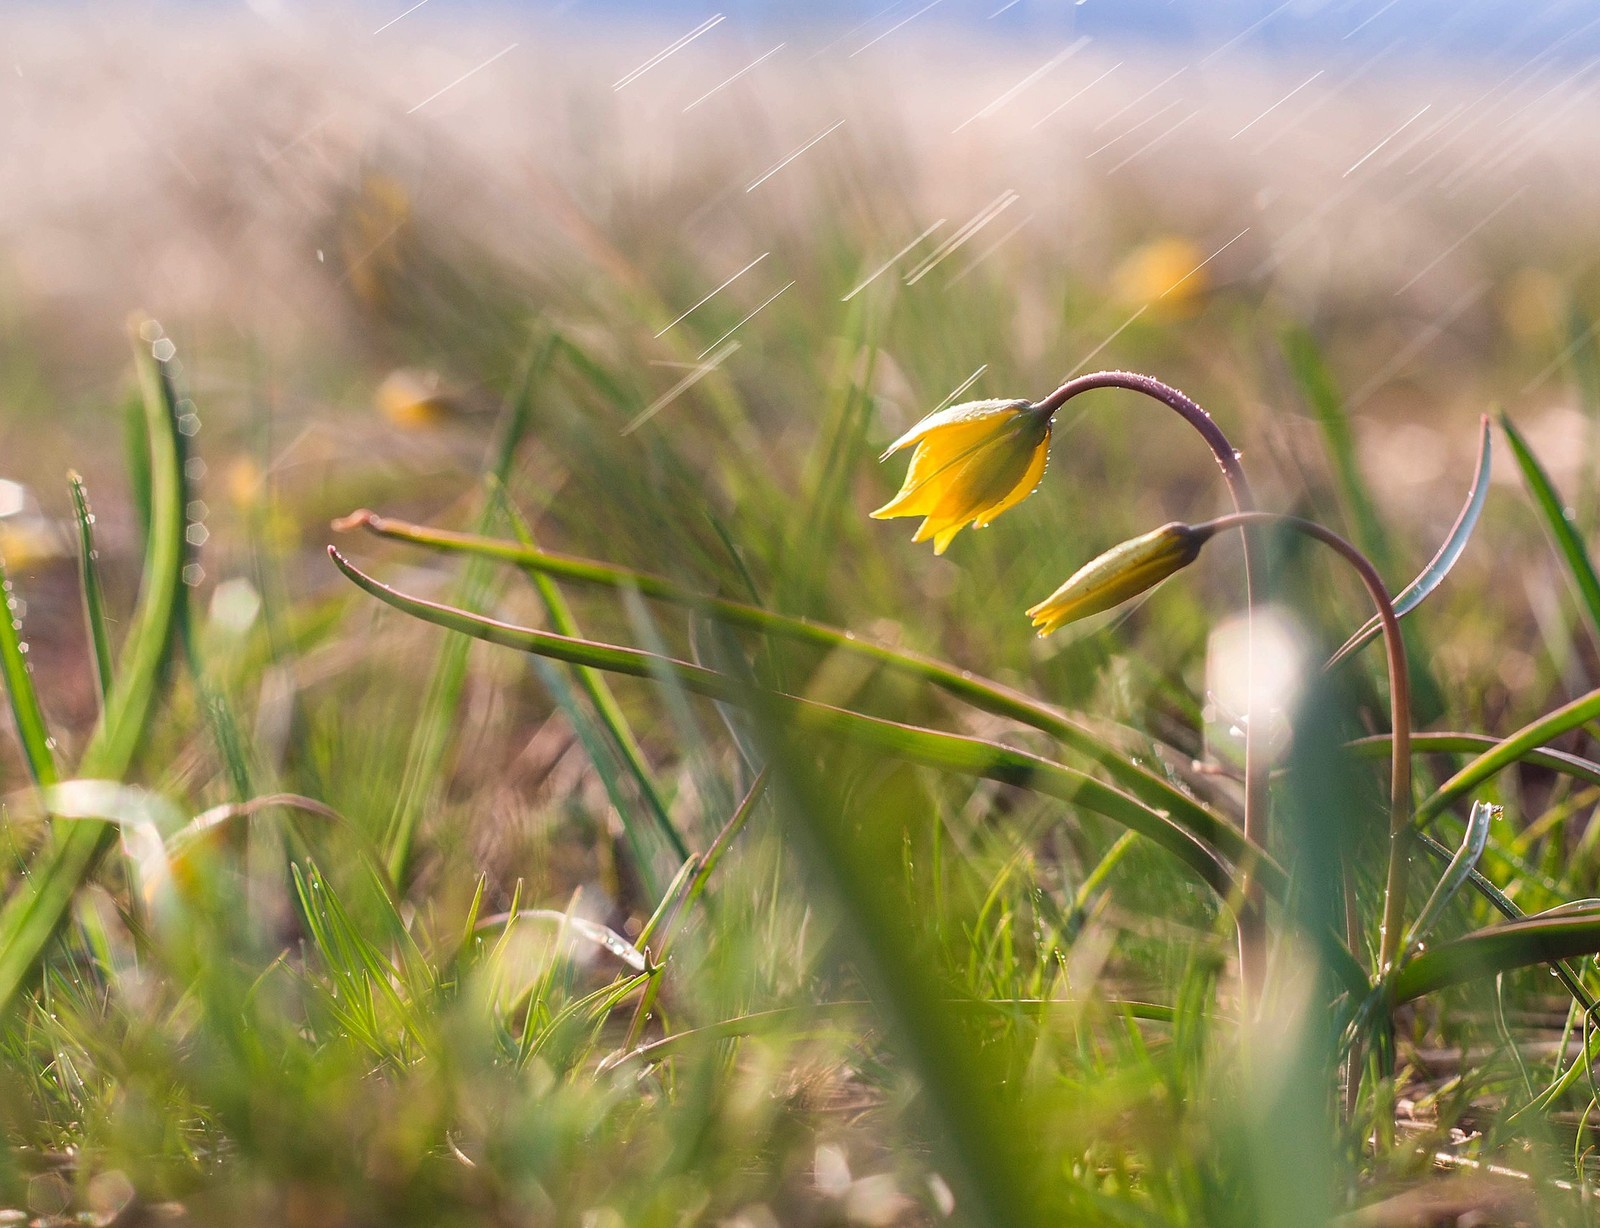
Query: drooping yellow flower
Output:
(1120,573)
(971,463)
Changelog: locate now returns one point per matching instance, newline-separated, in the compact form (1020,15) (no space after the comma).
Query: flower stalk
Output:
(1257,801)
(1399,713)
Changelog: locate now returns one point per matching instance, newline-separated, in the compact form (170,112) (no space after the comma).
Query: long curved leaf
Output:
(1562,532)
(1204,848)
(1446,742)
(1431,576)
(1510,750)
(981,693)
(1499,948)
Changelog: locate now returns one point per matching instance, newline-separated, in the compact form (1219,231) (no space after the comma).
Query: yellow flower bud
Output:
(971,463)
(1122,572)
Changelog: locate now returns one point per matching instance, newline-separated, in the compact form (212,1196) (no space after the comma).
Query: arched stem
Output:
(1399,706)
(1252,914)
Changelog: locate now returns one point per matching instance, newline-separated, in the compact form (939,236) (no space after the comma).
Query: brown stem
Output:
(1252,911)
(1399,707)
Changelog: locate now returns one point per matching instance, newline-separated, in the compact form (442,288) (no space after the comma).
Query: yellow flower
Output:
(1120,573)
(412,400)
(971,463)
(1167,274)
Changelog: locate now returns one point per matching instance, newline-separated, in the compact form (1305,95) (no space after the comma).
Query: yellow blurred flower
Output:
(27,535)
(1120,573)
(244,482)
(412,400)
(1533,306)
(1166,275)
(972,462)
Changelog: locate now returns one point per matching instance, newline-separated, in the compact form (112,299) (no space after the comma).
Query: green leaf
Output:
(1499,948)
(1555,514)
(1455,874)
(1205,848)
(94,609)
(1508,751)
(1448,742)
(982,693)
(1431,576)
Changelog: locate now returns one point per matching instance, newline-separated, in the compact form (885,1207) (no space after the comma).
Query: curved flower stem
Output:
(1257,804)
(1400,713)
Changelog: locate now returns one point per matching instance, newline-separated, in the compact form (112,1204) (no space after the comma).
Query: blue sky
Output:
(1504,30)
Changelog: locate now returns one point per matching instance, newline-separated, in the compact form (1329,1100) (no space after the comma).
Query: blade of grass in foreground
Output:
(94,607)
(981,693)
(982,1127)
(1563,534)
(33,914)
(1203,848)
(26,713)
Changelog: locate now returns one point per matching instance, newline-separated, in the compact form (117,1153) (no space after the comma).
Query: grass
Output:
(624,829)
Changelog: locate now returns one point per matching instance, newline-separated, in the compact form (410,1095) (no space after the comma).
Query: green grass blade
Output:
(964,685)
(593,685)
(94,608)
(436,718)
(1202,848)
(1431,576)
(26,712)
(35,912)
(1509,910)
(1509,751)
(1455,873)
(1563,533)
(1448,742)
(1499,948)
(161,591)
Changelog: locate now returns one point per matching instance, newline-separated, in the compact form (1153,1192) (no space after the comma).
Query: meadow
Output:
(620,826)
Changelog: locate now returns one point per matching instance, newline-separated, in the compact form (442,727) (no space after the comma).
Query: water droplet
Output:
(162,349)
(193,574)
(197,509)
(150,330)
(189,424)
(194,469)
(196,535)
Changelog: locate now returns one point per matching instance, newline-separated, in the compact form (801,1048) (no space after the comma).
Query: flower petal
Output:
(956,415)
